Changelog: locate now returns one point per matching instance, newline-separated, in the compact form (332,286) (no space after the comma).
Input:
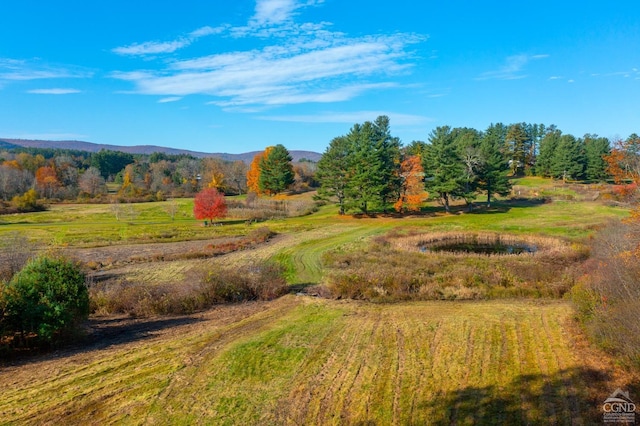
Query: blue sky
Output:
(237,76)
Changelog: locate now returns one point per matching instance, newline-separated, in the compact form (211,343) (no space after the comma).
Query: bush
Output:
(27,202)
(263,281)
(608,295)
(46,300)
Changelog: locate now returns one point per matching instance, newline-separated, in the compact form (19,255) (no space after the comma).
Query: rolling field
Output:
(300,360)
(304,360)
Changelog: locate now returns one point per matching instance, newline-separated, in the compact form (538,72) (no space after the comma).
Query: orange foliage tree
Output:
(253,175)
(412,191)
(47,180)
(623,163)
(209,204)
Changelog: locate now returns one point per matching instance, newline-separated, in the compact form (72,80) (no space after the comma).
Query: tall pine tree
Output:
(334,171)
(568,159)
(493,177)
(596,148)
(518,144)
(444,172)
(548,146)
(366,188)
(276,171)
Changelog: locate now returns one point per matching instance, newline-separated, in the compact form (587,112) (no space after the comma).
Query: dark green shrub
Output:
(47,299)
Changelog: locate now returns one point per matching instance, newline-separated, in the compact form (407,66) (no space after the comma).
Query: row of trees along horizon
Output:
(368,169)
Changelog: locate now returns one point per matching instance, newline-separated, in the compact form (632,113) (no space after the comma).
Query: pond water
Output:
(457,246)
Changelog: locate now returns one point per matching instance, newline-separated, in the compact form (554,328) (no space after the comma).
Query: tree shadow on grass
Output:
(101,333)
(502,206)
(571,396)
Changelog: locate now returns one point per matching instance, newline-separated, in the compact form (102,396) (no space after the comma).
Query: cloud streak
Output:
(169,99)
(275,76)
(351,117)
(512,69)
(54,91)
(163,47)
(304,63)
(270,12)
(23,70)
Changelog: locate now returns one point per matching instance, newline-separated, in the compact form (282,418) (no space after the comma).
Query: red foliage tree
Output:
(209,204)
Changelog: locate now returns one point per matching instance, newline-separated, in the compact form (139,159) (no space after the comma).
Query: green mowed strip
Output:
(300,360)
(303,261)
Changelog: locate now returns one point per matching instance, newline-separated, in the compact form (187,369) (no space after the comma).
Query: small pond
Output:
(477,247)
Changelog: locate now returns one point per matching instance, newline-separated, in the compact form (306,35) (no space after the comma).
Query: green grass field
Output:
(303,360)
(307,361)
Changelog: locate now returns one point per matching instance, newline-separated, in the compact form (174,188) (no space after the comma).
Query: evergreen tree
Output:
(387,148)
(276,171)
(518,145)
(548,146)
(535,132)
(568,160)
(366,188)
(444,172)
(416,148)
(110,162)
(493,173)
(334,171)
(596,149)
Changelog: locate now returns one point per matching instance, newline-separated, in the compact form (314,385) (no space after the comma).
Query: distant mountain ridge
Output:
(247,157)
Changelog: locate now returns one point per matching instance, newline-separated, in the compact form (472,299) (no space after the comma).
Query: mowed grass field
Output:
(300,360)
(303,360)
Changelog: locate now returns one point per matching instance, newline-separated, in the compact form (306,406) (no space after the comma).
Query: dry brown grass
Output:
(203,289)
(608,294)
(394,268)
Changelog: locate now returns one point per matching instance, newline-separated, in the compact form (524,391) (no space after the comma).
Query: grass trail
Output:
(300,360)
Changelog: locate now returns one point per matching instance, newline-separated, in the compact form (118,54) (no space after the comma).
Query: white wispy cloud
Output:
(24,70)
(54,91)
(207,31)
(152,47)
(269,12)
(274,75)
(160,47)
(512,69)
(351,117)
(305,62)
(169,99)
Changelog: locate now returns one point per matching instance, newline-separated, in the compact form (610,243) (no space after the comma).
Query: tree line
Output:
(368,169)
(29,174)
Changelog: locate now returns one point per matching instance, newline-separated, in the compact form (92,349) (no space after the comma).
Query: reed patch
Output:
(396,267)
